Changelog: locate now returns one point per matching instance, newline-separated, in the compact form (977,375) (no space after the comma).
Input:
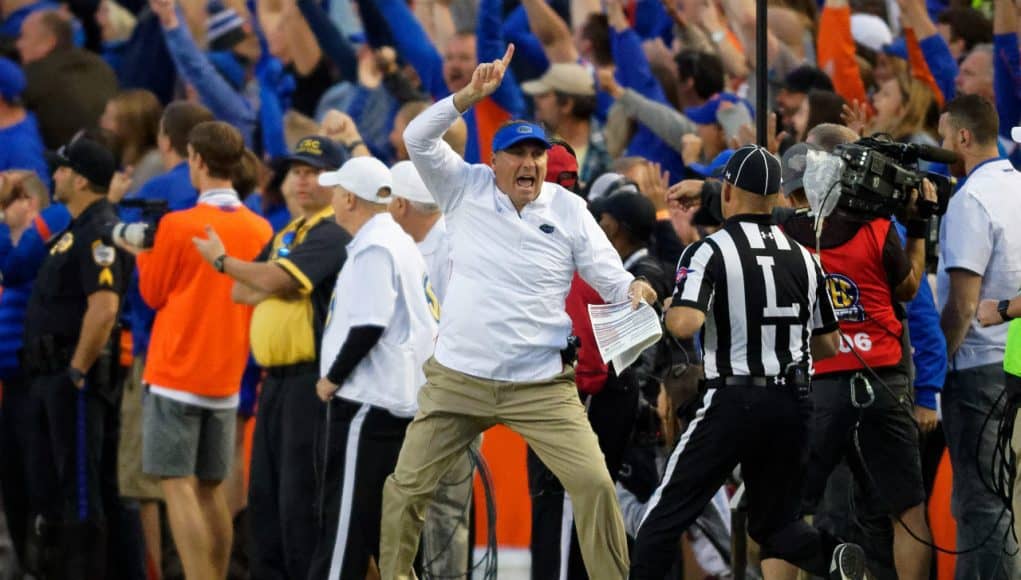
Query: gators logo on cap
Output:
(524,129)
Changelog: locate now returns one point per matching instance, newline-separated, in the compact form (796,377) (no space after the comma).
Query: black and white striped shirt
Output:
(763,295)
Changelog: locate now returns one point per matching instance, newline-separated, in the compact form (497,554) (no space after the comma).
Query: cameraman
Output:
(867,273)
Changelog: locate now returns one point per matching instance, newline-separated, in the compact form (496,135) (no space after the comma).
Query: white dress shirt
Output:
(503,316)
(435,249)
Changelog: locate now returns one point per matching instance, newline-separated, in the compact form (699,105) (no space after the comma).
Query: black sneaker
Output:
(848,563)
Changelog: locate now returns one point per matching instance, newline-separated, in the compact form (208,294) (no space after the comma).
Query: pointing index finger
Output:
(507,55)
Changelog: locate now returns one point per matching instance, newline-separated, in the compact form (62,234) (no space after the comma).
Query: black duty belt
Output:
(285,371)
(744,381)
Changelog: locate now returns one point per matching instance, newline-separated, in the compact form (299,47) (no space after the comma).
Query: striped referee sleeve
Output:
(824,319)
(694,277)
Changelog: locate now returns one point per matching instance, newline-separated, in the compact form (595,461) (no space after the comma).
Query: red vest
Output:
(863,301)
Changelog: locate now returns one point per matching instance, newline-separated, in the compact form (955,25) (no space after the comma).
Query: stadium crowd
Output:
(239,236)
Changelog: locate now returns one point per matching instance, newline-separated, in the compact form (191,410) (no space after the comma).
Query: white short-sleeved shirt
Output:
(979,233)
(383,283)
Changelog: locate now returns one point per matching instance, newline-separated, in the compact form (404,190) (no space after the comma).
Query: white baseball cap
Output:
(1015,134)
(870,31)
(362,176)
(408,184)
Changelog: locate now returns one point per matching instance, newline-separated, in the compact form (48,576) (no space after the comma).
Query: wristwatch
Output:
(352,145)
(1002,307)
(218,263)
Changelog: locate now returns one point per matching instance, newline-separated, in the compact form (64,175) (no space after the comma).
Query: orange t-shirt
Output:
(200,336)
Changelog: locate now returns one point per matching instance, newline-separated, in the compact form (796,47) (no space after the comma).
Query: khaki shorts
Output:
(133,483)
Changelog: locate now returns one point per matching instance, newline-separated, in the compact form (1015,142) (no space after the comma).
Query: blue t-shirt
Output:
(175,187)
(277,215)
(19,266)
(21,147)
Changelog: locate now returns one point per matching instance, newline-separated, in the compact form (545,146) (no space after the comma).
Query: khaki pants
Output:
(453,409)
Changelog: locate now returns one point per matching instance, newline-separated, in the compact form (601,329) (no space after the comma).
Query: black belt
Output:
(285,371)
(744,381)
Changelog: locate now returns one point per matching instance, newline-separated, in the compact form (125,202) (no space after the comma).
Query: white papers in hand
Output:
(621,333)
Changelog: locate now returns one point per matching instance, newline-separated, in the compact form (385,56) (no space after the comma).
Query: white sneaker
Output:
(848,563)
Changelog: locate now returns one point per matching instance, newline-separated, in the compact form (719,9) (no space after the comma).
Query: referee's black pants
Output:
(364,442)
(763,429)
(555,550)
(282,492)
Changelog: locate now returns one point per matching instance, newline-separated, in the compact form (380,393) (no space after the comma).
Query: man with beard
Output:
(980,245)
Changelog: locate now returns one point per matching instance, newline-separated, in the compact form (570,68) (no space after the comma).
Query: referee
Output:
(766,313)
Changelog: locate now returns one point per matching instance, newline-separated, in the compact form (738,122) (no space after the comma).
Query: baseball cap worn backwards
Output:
(366,177)
(319,152)
(513,133)
(753,169)
(88,159)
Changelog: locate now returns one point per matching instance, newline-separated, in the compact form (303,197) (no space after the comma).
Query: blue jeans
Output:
(968,399)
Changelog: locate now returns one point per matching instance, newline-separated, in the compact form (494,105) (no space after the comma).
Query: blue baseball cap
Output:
(705,114)
(516,132)
(715,167)
(897,48)
(12,79)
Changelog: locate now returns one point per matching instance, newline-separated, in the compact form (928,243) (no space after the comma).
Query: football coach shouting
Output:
(515,245)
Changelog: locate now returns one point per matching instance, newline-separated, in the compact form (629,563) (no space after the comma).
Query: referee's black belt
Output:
(744,381)
(297,369)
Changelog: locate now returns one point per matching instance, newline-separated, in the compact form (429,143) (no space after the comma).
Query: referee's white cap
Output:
(366,177)
(753,169)
(408,183)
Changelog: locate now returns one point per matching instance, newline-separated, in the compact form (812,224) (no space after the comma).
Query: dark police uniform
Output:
(764,298)
(74,446)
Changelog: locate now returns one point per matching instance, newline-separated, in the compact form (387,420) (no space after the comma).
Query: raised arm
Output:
(444,172)
(412,43)
(491,46)
(551,30)
(664,121)
(333,44)
(1006,62)
(935,51)
(836,53)
(529,48)
(225,103)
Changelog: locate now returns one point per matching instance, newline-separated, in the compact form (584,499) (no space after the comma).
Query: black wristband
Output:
(918,229)
(220,263)
(1002,308)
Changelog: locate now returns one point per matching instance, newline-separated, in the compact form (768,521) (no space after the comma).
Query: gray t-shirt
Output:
(980,234)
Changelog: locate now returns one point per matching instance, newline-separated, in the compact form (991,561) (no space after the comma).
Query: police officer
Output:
(766,313)
(70,356)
